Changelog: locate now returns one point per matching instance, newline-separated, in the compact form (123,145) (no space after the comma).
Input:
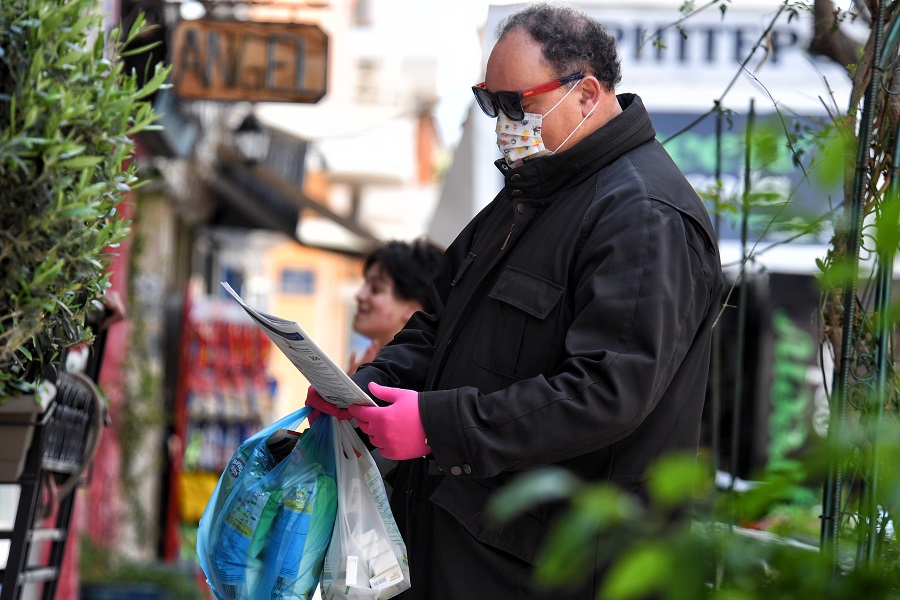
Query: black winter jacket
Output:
(572,328)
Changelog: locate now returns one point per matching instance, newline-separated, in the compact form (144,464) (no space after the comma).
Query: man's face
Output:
(516,63)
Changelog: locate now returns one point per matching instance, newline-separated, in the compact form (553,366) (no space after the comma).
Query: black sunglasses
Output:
(511,102)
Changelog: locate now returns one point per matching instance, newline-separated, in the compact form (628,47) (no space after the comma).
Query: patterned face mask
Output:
(520,139)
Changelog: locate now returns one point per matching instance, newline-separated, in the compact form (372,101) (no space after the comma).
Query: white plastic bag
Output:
(366,559)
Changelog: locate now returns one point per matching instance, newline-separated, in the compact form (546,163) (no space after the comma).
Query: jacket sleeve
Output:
(642,291)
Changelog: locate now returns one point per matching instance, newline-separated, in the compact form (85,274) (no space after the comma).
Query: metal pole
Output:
(716,374)
(832,491)
(742,309)
(887,245)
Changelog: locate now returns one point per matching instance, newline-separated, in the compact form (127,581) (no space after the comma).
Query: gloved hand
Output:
(322,406)
(396,429)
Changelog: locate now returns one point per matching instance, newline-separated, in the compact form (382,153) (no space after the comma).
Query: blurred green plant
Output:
(67,114)
(715,551)
(99,566)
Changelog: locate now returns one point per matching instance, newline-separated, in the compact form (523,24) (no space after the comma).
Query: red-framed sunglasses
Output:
(511,102)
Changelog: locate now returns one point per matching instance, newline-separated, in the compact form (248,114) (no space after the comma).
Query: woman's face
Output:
(380,313)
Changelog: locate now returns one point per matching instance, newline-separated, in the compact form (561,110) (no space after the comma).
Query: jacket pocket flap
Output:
(528,292)
(467,499)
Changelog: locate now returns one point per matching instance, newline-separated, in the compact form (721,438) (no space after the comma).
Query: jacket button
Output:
(515,193)
(516,177)
(456,470)
(520,208)
(467,469)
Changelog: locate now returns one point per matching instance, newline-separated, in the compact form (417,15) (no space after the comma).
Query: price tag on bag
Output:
(352,568)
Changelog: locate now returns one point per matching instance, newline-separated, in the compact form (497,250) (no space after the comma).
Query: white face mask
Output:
(520,139)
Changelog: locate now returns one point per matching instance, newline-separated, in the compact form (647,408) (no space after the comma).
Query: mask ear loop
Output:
(577,126)
(566,95)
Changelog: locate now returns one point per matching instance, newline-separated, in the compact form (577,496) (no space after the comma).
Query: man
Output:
(572,318)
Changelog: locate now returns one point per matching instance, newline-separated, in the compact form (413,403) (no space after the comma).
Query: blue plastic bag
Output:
(267,525)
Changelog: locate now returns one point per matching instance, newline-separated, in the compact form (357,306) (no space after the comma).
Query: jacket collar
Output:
(537,179)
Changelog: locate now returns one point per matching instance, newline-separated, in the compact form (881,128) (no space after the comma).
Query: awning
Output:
(255,196)
(359,144)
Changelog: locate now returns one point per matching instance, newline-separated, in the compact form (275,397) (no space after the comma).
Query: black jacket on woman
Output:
(572,328)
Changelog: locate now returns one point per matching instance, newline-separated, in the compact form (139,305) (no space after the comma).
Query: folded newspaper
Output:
(323,373)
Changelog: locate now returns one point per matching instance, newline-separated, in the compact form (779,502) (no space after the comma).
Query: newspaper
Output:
(329,379)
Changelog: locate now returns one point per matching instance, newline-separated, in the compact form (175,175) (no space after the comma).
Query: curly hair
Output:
(572,42)
(411,265)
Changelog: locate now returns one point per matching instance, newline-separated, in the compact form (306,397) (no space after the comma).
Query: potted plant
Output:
(68,110)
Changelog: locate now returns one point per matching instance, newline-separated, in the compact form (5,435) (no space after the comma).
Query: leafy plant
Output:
(648,553)
(67,114)
(100,567)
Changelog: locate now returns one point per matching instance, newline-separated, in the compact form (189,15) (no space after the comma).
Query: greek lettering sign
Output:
(248,60)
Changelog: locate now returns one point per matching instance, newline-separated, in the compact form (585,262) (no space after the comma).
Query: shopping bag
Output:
(268,523)
(367,557)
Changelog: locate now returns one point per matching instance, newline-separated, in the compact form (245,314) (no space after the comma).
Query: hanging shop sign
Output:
(256,62)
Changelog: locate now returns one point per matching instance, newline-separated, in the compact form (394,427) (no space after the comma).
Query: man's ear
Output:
(592,92)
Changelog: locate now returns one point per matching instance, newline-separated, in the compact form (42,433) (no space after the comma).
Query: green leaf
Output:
(839,274)
(159,78)
(137,27)
(674,479)
(643,569)
(140,50)
(564,559)
(887,222)
(601,522)
(531,489)
(80,162)
(68,59)
(829,171)
(605,505)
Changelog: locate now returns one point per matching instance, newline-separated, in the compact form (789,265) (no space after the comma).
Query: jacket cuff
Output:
(444,432)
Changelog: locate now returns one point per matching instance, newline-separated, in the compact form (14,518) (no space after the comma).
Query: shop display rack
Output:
(64,440)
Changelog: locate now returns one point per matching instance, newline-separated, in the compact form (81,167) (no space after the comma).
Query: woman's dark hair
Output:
(411,265)
(572,42)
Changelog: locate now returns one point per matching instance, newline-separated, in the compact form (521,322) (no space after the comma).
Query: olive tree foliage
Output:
(68,111)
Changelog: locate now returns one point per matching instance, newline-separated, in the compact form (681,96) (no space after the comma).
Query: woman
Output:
(397,278)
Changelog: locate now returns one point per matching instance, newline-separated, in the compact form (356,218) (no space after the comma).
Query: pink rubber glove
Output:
(396,429)
(322,406)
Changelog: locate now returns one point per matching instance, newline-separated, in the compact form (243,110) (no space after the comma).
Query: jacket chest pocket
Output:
(516,335)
